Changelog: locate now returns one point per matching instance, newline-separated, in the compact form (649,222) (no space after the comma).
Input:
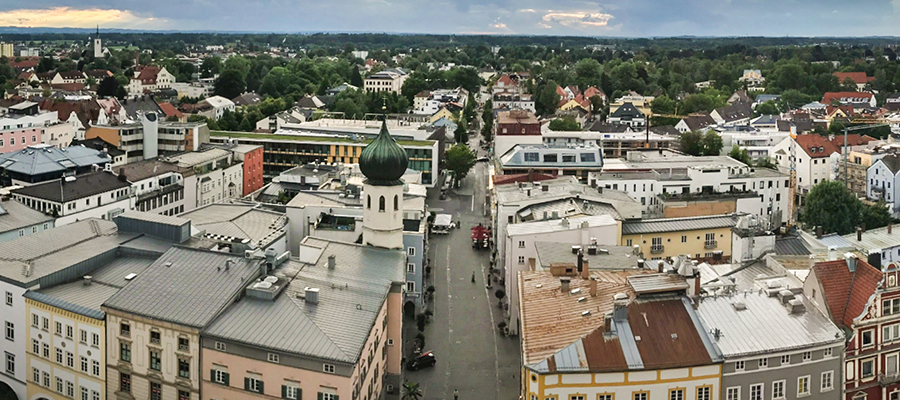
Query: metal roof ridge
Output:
(715,353)
(629,345)
(313,322)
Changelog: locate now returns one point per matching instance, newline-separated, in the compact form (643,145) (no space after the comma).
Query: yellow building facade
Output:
(65,356)
(705,237)
(702,382)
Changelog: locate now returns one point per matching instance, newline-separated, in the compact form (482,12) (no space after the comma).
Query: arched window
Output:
(381,204)
(369,202)
(396,203)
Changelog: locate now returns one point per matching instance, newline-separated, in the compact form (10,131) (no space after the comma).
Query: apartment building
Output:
(881,182)
(615,140)
(706,238)
(764,355)
(153,347)
(344,343)
(219,175)
(42,163)
(815,159)
(150,137)
(515,127)
(93,195)
(150,78)
(548,159)
(252,158)
(389,80)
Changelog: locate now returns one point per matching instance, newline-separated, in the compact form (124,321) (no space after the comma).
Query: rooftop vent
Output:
(312,295)
(586,313)
(796,306)
(87,280)
(739,306)
(130,276)
(785,296)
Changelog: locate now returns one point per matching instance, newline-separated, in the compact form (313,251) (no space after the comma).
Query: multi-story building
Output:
(283,152)
(215,107)
(43,260)
(765,355)
(42,163)
(153,347)
(881,182)
(858,163)
(627,114)
(18,220)
(343,343)
(7,50)
(515,127)
(389,80)
(815,158)
(614,144)
(700,185)
(707,237)
(615,335)
(512,100)
(150,78)
(93,195)
(160,187)
(219,175)
(549,159)
(148,139)
(252,158)
(864,302)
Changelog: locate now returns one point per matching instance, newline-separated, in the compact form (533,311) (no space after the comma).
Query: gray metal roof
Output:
(657,283)
(37,160)
(49,251)
(619,257)
(157,218)
(677,224)
(874,239)
(838,241)
(84,185)
(542,156)
(106,281)
(15,215)
(792,246)
(350,297)
(243,221)
(765,326)
(556,225)
(186,286)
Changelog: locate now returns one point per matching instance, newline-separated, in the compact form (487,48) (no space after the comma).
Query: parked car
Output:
(425,359)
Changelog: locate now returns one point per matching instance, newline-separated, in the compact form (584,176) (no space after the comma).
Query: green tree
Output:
(210,67)
(230,83)
(460,160)
(108,87)
(692,143)
(830,205)
(768,108)
(547,100)
(875,215)
(462,131)
(411,391)
(566,123)
(587,73)
(740,154)
(712,143)
(663,105)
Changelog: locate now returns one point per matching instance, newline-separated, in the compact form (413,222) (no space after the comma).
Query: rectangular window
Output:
(35,347)
(45,323)
(220,377)
(683,238)
(890,307)
(59,384)
(785,359)
(827,352)
(70,359)
(220,346)
(411,251)
(46,378)
(807,355)
(45,350)
(84,336)
(85,393)
(272,357)
(183,344)
(10,364)
(84,364)
(521,259)
(125,383)
(827,381)
(95,395)
(155,391)
(676,394)
(703,393)
(254,384)
(95,340)
(125,352)
(803,386)
(756,391)
(328,368)
(155,360)
(36,375)
(58,326)
(154,337)
(521,244)
(778,389)
(70,331)
(411,268)
(184,368)
(763,362)
(95,367)
(640,395)
(738,365)
(59,355)
(9,299)
(733,393)
(70,389)
(125,330)
(291,392)
(35,320)
(10,331)
(410,287)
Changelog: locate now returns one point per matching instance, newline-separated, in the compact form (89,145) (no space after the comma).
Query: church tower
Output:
(98,47)
(383,162)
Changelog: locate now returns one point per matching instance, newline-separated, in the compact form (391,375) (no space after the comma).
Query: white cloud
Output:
(75,18)
(578,19)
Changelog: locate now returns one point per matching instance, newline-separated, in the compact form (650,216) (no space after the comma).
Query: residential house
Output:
(214,107)
(860,299)
(882,179)
(849,98)
(815,159)
(609,335)
(695,122)
(389,80)
(642,103)
(858,162)
(358,344)
(739,96)
(762,98)
(219,175)
(516,127)
(420,99)
(73,198)
(340,88)
(160,187)
(703,238)
(149,78)
(553,160)
(275,122)
(153,347)
(752,77)
(246,99)
(627,114)
(738,113)
(171,112)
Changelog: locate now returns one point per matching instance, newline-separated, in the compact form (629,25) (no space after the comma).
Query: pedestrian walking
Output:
(455,394)
(473,276)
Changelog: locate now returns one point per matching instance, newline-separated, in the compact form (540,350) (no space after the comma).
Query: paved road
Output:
(471,356)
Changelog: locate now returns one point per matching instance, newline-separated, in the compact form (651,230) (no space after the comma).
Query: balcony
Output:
(710,244)
(657,248)
(888,379)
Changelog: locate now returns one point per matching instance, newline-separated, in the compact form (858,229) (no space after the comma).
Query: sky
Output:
(623,18)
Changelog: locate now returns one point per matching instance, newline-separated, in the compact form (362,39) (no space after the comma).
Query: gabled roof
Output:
(247,99)
(891,162)
(816,146)
(15,215)
(853,139)
(592,91)
(147,74)
(738,110)
(846,293)
(170,110)
(627,110)
(846,97)
(44,159)
(699,121)
(506,80)
(138,105)
(72,75)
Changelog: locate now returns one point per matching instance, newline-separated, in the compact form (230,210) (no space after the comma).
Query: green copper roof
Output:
(383,161)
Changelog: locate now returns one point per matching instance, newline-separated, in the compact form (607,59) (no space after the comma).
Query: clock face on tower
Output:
(151,117)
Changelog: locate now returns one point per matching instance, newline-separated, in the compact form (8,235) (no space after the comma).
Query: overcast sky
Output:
(530,17)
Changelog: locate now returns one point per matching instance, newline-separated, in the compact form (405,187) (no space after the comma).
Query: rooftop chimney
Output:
(312,295)
(228,263)
(851,261)
(859,232)
(564,285)
(890,227)
(331,261)
(580,263)
(585,272)
(87,280)
(545,187)
(593,290)
(819,232)
(659,266)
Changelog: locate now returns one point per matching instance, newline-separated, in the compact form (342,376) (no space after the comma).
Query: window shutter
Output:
(299,394)
(320,396)
(212,376)
(246,383)
(226,376)
(261,387)
(283,391)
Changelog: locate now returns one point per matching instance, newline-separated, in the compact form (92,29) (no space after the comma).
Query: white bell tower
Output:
(98,46)
(383,162)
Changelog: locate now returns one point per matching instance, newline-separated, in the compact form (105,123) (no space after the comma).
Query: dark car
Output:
(426,359)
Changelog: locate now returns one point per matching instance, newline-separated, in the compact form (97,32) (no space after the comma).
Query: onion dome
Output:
(383,161)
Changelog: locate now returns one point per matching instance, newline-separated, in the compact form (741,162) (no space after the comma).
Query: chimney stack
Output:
(659,266)
(890,227)
(585,272)
(851,261)
(87,280)
(593,287)
(819,232)
(859,232)
(564,285)
(331,261)
(580,260)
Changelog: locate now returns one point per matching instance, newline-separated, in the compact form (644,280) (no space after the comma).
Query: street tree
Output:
(567,123)
(460,160)
(462,131)
(740,154)
(411,391)
(547,100)
(831,206)
(692,143)
(712,143)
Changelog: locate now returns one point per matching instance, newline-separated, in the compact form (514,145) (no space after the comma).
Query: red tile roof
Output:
(853,139)
(592,91)
(516,178)
(506,80)
(69,87)
(858,77)
(26,62)
(147,74)
(170,110)
(846,293)
(816,146)
(828,97)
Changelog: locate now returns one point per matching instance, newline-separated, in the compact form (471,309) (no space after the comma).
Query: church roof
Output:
(383,161)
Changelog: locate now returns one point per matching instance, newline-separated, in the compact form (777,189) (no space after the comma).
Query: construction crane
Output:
(872,123)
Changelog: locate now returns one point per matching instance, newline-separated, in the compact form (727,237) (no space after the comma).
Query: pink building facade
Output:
(17,139)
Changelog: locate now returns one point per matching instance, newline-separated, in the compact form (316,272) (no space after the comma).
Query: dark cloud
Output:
(540,17)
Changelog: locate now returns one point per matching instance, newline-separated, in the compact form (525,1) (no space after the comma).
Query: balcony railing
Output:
(710,244)
(657,248)
(888,379)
